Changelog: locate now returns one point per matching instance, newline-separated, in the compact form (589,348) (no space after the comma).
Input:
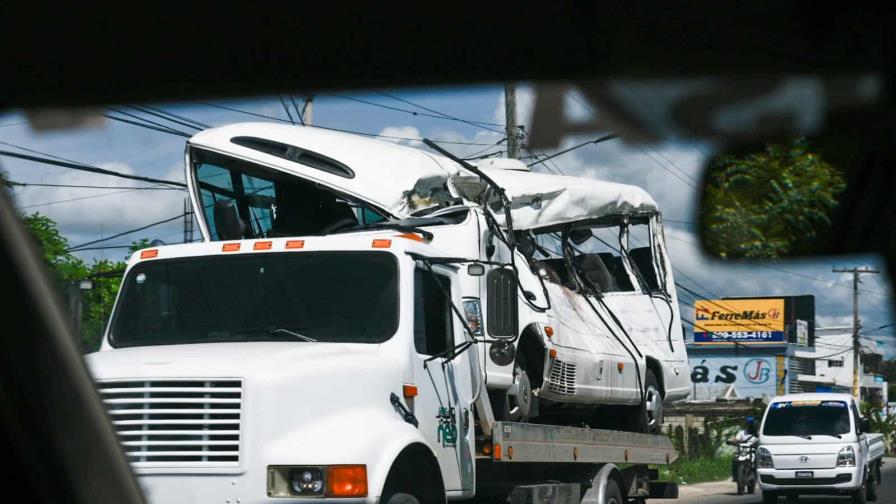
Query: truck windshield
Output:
(807,418)
(302,297)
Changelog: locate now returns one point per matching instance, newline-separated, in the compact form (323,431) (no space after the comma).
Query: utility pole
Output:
(307,110)
(856,325)
(513,148)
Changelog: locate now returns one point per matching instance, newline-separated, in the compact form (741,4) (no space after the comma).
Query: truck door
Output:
(443,405)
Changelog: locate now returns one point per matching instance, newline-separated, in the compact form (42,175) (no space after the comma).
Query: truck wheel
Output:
(519,397)
(614,494)
(871,484)
(400,498)
(858,497)
(769,497)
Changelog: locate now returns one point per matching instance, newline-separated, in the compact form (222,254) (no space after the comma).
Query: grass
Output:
(696,470)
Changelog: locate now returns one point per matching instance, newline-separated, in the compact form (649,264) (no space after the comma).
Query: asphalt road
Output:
(726,492)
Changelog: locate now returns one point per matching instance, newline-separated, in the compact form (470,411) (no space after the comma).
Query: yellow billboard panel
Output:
(739,315)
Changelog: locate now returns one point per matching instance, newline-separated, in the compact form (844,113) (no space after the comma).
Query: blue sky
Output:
(665,170)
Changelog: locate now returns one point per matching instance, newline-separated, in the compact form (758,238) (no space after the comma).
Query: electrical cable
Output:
(415,113)
(89,168)
(77,247)
(564,151)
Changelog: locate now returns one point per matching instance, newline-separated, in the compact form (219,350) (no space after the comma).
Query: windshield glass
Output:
(324,296)
(807,418)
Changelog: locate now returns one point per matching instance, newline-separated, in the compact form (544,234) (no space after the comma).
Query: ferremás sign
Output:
(739,320)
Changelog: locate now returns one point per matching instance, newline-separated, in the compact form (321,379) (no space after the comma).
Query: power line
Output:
(176,116)
(564,151)
(92,196)
(415,113)
(77,248)
(78,186)
(163,115)
(447,142)
(147,126)
(88,168)
(444,115)
(148,121)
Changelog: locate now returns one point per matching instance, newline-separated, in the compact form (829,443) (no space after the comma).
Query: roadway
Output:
(725,492)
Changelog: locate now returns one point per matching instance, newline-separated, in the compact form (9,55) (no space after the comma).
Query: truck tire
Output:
(872,483)
(613,494)
(858,496)
(399,498)
(769,497)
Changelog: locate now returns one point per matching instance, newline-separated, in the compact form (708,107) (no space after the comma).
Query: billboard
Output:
(750,376)
(731,321)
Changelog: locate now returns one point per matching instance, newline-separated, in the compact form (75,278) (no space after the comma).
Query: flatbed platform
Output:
(524,442)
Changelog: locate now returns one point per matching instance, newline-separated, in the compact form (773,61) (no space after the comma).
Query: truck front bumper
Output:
(221,489)
(836,481)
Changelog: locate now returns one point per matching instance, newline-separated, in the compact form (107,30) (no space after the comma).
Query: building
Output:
(747,348)
(832,357)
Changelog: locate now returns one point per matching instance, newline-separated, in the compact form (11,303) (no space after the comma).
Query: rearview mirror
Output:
(864,425)
(580,235)
(799,198)
(502,303)
(502,352)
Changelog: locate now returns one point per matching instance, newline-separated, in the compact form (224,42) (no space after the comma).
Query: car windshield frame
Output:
(264,331)
(783,418)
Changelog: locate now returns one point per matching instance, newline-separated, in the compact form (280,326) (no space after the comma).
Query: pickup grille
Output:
(562,377)
(164,423)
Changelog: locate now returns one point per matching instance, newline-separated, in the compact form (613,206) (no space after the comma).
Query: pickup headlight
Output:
(764,459)
(846,457)
(317,481)
(473,311)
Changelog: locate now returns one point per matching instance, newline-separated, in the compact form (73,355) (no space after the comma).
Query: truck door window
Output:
(601,260)
(433,330)
(644,255)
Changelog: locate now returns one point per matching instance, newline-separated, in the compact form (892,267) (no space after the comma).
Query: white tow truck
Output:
(371,323)
(817,444)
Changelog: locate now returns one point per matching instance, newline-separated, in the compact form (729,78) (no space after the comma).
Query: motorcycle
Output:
(745,468)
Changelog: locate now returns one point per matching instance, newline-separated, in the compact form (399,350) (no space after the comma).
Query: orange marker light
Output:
(149,253)
(409,390)
(553,353)
(497,452)
(347,481)
(381,243)
(620,366)
(486,449)
(230,247)
(412,236)
(549,331)
(262,245)
(295,244)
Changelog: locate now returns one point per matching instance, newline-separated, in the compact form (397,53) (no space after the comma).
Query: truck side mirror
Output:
(864,425)
(502,306)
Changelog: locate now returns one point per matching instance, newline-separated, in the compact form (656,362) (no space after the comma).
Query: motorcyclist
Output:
(744,435)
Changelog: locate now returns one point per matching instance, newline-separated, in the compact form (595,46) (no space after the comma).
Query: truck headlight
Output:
(764,459)
(473,311)
(846,457)
(317,481)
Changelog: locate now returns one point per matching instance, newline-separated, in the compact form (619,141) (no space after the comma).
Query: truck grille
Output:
(562,378)
(176,422)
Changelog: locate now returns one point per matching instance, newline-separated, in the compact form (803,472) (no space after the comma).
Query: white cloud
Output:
(403,132)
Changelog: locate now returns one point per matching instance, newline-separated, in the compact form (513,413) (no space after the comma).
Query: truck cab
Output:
(817,443)
(282,368)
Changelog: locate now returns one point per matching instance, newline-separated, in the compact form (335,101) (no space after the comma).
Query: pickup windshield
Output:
(300,296)
(807,418)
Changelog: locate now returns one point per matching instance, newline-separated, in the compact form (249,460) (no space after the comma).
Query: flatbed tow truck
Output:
(349,350)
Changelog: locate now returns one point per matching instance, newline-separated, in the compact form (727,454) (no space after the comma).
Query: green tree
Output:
(68,269)
(769,204)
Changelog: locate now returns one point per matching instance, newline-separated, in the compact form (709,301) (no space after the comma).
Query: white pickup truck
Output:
(817,444)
